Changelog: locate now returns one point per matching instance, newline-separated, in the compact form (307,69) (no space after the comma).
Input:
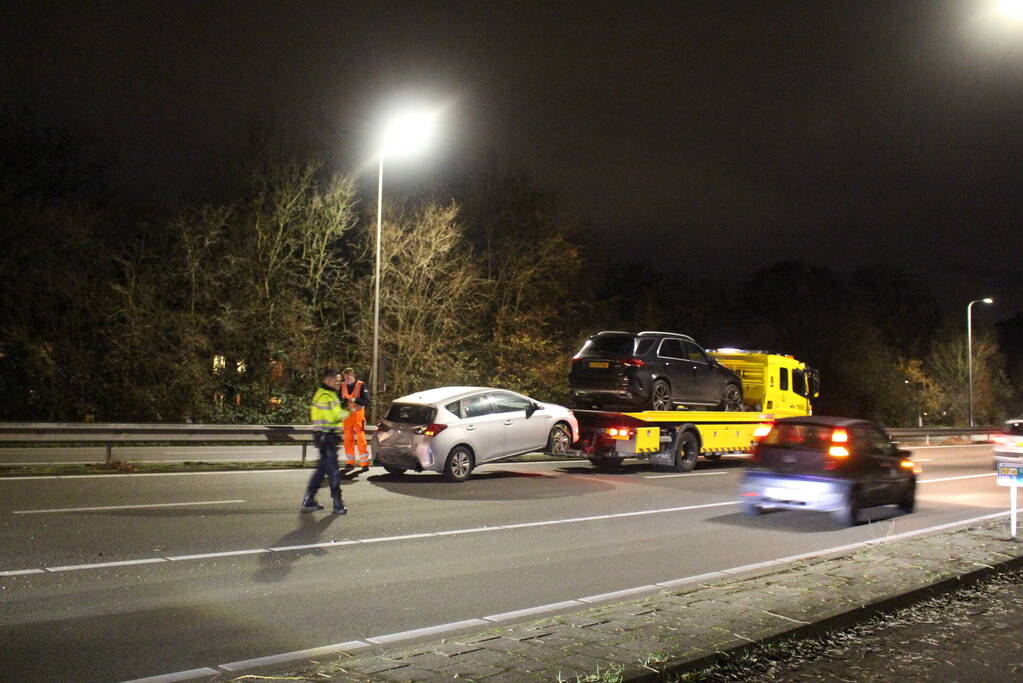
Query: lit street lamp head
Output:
(407,133)
(988,300)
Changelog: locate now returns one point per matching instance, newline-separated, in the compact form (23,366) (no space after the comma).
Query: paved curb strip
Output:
(691,626)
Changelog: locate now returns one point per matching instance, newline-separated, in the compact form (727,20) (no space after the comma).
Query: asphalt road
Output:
(513,537)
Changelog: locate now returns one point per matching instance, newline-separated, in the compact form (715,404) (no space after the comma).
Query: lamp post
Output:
(405,134)
(969,346)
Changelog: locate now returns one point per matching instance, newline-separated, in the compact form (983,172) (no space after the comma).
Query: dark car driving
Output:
(650,370)
(834,464)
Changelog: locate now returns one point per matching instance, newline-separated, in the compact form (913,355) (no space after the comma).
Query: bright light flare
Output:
(408,133)
(1010,9)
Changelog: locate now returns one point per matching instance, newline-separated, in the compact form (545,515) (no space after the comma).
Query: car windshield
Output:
(410,413)
(611,345)
(795,435)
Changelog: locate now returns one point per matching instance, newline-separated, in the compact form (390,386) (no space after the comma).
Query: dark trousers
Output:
(327,465)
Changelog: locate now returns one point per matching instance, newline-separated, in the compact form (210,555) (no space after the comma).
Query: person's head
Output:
(349,375)
(331,378)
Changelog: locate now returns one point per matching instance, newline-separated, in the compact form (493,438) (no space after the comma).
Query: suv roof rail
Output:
(670,334)
(612,332)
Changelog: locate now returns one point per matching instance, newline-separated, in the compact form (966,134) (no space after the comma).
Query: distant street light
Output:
(969,345)
(1010,9)
(405,134)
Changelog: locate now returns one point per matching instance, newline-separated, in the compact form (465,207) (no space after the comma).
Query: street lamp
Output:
(405,134)
(969,345)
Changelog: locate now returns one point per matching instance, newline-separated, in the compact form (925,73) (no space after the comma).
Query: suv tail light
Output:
(431,429)
(633,362)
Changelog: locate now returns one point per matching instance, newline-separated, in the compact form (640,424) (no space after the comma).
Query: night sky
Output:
(719,136)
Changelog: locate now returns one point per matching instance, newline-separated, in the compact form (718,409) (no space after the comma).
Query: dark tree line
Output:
(223,309)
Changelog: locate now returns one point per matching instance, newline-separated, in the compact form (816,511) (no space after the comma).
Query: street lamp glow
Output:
(969,347)
(407,133)
(404,134)
(1010,9)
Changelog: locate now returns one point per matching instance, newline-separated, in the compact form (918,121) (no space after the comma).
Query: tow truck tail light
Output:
(622,433)
(431,429)
(633,362)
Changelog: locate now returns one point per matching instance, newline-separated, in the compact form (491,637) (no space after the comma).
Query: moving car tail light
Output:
(840,436)
(633,362)
(431,429)
(910,465)
(761,431)
(623,433)
(838,452)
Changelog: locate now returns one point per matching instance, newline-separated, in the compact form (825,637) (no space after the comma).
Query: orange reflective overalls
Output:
(355,427)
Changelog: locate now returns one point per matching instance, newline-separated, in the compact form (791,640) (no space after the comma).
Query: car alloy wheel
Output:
(660,395)
(559,440)
(459,464)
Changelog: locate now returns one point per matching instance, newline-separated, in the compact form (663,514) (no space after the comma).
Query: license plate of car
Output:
(599,364)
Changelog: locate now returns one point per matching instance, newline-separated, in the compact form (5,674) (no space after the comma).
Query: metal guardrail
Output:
(112,434)
(930,435)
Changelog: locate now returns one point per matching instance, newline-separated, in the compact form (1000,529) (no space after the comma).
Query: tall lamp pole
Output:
(404,134)
(969,346)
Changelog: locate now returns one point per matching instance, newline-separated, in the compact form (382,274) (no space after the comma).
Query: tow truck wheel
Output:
(687,450)
(660,395)
(731,398)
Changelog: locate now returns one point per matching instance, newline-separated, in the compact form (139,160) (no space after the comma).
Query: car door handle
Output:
(469,428)
(508,422)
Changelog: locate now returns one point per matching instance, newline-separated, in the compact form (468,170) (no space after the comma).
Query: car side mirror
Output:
(532,408)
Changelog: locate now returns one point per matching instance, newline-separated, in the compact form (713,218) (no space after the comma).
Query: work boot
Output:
(339,506)
(309,504)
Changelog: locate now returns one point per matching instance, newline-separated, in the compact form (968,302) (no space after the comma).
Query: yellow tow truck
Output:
(774,386)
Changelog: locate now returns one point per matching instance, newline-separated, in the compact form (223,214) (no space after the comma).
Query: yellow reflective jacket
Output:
(325,412)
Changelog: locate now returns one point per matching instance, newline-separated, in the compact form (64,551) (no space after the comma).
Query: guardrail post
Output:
(303,455)
(110,452)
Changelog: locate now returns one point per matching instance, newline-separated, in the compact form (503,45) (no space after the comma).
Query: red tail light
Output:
(623,433)
(633,362)
(381,427)
(761,431)
(840,436)
(431,429)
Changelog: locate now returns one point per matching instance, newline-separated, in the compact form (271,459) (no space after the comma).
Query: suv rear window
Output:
(410,413)
(794,435)
(617,345)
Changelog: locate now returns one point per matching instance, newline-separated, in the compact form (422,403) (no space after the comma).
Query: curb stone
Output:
(696,625)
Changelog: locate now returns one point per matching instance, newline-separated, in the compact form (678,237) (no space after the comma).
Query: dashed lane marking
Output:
(126,507)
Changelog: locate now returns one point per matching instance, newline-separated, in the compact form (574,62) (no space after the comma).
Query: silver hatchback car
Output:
(454,429)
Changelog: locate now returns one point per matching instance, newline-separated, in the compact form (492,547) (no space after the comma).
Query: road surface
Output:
(123,576)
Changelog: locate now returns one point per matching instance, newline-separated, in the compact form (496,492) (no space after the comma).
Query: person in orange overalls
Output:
(355,398)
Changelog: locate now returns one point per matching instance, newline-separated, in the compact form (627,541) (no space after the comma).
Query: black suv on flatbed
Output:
(650,370)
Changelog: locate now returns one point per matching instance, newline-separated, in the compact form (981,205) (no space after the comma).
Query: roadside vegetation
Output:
(223,308)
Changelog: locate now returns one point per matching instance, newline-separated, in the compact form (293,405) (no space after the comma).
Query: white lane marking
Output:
(101,565)
(922,459)
(910,447)
(329,544)
(18,572)
(530,611)
(297,654)
(551,607)
(229,553)
(126,507)
(190,675)
(427,631)
(685,474)
(965,476)
(101,477)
